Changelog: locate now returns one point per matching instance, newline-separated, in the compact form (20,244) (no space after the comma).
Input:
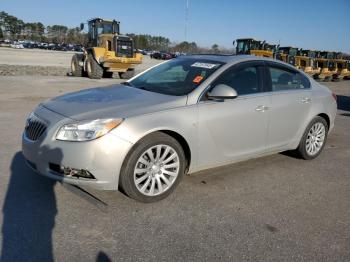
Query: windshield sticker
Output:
(197,79)
(204,65)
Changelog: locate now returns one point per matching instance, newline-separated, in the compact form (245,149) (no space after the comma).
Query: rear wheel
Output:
(314,138)
(94,70)
(153,168)
(77,69)
(128,74)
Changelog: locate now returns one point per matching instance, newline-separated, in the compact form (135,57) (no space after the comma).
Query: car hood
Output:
(118,101)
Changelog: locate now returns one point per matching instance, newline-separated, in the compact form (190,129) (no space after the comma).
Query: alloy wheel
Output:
(156,170)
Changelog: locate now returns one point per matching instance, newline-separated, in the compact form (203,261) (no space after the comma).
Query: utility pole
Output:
(186,19)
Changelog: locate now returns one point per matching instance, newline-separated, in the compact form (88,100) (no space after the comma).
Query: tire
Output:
(128,74)
(94,70)
(153,174)
(77,70)
(305,147)
(107,74)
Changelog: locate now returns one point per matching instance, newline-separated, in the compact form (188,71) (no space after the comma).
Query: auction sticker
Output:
(204,65)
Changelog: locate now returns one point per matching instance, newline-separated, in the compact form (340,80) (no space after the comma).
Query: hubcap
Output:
(315,138)
(156,170)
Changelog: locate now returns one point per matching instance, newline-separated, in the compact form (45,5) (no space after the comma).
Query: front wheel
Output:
(94,70)
(153,168)
(314,138)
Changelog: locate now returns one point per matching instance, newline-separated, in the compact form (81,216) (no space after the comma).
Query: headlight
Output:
(87,130)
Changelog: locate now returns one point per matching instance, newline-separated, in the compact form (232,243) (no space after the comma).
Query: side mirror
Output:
(221,92)
(81,26)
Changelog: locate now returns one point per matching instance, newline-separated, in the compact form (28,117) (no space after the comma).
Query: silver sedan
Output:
(182,116)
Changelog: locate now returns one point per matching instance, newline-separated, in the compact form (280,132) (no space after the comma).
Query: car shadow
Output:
(102,257)
(343,102)
(29,213)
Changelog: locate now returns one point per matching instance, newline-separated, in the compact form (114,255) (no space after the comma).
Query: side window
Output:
(244,80)
(284,79)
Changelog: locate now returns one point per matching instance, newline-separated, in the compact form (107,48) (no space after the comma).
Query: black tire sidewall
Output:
(127,172)
(96,69)
(78,68)
(302,146)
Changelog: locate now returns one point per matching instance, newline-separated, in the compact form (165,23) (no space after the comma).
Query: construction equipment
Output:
(348,67)
(250,46)
(305,60)
(287,54)
(107,52)
(342,67)
(325,61)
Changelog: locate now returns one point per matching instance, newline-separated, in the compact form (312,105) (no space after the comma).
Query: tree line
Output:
(14,28)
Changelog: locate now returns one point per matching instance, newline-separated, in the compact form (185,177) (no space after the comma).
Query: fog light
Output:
(71,172)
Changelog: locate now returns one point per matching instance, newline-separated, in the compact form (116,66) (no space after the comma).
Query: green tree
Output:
(215,48)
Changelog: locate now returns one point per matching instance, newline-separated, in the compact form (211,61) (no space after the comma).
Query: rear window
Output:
(283,79)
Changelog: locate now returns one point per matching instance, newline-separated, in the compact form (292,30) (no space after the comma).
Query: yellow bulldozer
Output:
(250,46)
(107,52)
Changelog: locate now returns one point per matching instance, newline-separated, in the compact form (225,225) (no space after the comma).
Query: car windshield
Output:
(177,77)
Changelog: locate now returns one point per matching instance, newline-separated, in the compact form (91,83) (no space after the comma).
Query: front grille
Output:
(35,127)
(124,46)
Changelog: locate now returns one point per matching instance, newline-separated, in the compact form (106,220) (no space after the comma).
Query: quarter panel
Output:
(180,120)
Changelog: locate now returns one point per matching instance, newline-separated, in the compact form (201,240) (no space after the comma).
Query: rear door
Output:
(290,103)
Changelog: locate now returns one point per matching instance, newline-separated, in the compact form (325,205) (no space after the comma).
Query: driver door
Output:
(234,129)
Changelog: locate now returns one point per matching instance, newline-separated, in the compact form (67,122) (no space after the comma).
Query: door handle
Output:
(306,100)
(261,108)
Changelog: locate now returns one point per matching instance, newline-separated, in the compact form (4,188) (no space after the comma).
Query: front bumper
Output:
(102,157)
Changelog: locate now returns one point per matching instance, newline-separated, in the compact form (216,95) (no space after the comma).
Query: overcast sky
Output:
(321,24)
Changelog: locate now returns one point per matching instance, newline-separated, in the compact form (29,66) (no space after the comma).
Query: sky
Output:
(308,24)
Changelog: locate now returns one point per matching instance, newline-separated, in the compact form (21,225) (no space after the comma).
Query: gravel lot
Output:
(16,62)
(276,208)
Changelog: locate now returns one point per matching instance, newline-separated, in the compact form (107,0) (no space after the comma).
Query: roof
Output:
(105,20)
(245,39)
(229,58)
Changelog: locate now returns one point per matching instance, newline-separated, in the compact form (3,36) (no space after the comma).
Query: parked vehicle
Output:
(325,61)
(306,62)
(250,46)
(108,51)
(156,55)
(17,45)
(182,116)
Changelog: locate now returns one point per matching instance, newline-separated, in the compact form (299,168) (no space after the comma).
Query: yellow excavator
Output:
(107,52)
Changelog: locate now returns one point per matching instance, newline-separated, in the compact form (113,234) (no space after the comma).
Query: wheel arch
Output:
(174,134)
(184,144)
(326,117)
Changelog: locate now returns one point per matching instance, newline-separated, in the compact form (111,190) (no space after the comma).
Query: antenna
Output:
(186,19)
